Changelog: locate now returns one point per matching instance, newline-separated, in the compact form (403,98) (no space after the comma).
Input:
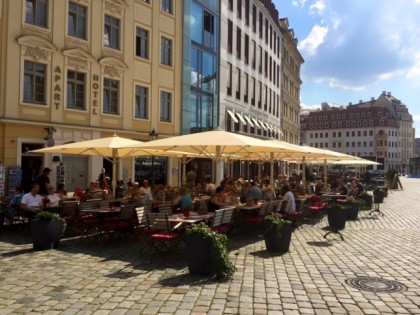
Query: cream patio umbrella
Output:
(112,148)
(219,145)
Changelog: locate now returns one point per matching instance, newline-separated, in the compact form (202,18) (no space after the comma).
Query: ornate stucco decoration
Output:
(113,67)
(78,59)
(37,48)
(116,7)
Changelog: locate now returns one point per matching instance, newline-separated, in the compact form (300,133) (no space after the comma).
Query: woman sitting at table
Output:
(215,202)
(184,201)
(54,199)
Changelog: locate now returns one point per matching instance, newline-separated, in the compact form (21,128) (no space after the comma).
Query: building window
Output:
(254,18)
(229,80)
(141,106)
(166,51)
(230,5)
(77,21)
(238,43)
(142,43)
(111,96)
(76,82)
(246,86)
(165,106)
(239,8)
(246,49)
(34,82)
(166,6)
(238,83)
(247,12)
(37,12)
(112,32)
(230,36)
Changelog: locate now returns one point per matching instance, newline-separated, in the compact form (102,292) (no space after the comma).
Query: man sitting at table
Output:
(288,205)
(255,192)
(31,202)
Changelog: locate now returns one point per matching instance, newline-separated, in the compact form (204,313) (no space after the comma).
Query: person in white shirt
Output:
(52,197)
(145,189)
(31,202)
(288,205)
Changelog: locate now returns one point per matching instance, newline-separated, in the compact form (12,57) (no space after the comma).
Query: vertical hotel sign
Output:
(57,87)
(95,91)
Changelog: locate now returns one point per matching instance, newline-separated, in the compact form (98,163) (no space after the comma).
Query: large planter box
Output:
(198,255)
(278,240)
(353,211)
(46,234)
(337,217)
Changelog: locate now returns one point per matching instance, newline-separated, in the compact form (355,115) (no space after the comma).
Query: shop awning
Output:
(232,115)
(241,118)
(249,121)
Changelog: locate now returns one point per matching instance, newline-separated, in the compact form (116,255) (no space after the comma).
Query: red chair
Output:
(163,237)
(123,224)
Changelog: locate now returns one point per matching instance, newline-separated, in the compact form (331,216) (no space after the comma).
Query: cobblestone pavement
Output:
(111,277)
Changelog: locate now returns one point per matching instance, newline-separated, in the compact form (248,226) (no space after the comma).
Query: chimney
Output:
(350,103)
(360,101)
(389,94)
(383,93)
(372,98)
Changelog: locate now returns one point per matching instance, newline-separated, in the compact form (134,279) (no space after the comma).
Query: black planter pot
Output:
(384,190)
(353,211)
(198,255)
(368,199)
(337,217)
(46,234)
(278,240)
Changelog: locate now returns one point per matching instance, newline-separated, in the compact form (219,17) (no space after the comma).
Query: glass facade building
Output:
(200,59)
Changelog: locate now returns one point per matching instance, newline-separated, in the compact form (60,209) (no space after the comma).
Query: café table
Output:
(179,220)
(100,216)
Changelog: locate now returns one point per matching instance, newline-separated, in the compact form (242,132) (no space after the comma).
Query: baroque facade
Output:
(82,69)
(380,128)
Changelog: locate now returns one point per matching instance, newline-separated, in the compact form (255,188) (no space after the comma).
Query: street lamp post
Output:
(153,136)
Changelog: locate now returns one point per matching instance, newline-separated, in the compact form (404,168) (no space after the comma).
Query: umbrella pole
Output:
(272,169)
(114,170)
(218,174)
(304,173)
(184,169)
(325,173)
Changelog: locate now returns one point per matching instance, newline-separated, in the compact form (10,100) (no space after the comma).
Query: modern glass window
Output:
(166,51)
(34,89)
(165,106)
(112,32)
(166,5)
(142,43)
(141,106)
(201,113)
(36,12)
(76,82)
(77,20)
(111,96)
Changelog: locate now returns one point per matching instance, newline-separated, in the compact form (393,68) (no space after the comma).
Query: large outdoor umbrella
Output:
(112,148)
(219,145)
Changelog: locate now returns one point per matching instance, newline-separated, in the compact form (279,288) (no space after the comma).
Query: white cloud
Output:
(315,38)
(335,83)
(298,3)
(317,8)
(414,71)
(416,118)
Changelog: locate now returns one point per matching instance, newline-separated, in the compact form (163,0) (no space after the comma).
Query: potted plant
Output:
(47,229)
(378,195)
(207,253)
(337,215)
(368,200)
(278,233)
(353,209)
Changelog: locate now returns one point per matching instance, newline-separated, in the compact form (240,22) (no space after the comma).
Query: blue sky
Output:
(355,49)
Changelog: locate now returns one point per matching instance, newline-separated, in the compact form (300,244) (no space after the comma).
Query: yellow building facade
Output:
(75,70)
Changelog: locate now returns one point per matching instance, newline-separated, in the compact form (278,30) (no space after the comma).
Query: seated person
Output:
(215,202)
(54,199)
(184,201)
(229,197)
(268,191)
(288,205)
(60,190)
(120,190)
(92,191)
(31,202)
(255,192)
(13,207)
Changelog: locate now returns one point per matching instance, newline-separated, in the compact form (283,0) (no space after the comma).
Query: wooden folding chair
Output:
(166,238)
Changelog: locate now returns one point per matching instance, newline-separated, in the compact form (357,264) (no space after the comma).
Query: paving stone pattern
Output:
(112,277)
